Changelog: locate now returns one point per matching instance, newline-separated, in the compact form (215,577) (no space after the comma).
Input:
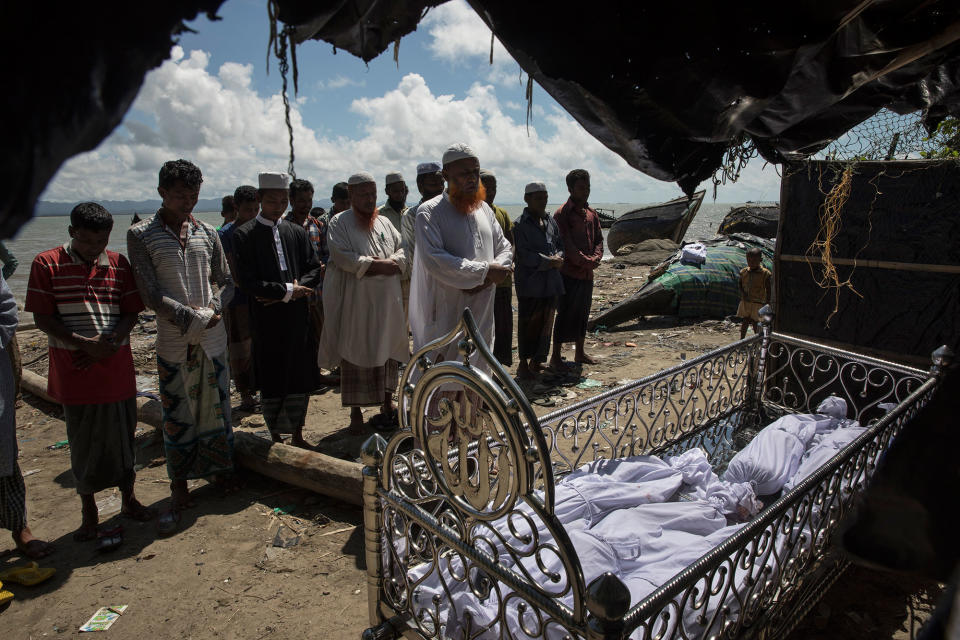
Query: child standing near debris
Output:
(754,291)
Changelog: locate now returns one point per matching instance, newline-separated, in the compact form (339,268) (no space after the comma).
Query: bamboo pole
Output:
(340,479)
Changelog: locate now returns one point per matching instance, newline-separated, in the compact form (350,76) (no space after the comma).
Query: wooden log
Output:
(324,474)
(340,479)
(148,409)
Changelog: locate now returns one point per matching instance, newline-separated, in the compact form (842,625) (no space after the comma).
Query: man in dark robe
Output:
(278,265)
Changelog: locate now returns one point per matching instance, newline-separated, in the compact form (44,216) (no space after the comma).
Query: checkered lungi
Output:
(367,386)
(285,414)
(13,501)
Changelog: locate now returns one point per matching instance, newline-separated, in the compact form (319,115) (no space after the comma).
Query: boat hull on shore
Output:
(669,220)
(759,220)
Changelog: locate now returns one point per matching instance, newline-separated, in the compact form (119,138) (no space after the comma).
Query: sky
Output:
(216,103)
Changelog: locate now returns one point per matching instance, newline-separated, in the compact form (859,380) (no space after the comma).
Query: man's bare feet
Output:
(31,546)
(583,358)
(90,519)
(180,496)
(133,509)
(300,443)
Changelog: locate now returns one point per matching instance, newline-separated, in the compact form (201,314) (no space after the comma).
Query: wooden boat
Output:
(668,220)
(757,219)
(607,217)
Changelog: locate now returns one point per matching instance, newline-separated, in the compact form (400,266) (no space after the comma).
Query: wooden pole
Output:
(340,479)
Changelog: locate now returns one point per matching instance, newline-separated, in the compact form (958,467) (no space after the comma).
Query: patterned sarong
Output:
(13,501)
(535,327)
(101,439)
(367,386)
(284,415)
(197,435)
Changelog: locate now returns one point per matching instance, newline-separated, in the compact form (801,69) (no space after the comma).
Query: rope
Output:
(822,246)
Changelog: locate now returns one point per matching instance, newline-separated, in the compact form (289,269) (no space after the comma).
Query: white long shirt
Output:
(363,314)
(453,253)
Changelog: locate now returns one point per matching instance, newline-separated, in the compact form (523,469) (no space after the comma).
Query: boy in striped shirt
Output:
(86,300)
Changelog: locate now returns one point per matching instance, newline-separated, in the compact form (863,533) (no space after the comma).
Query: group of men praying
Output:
(283,302)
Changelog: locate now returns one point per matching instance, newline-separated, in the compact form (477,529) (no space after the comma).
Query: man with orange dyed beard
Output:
(461,255)
(365,332)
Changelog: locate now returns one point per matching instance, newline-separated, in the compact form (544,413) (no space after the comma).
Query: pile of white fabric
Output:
(645,518)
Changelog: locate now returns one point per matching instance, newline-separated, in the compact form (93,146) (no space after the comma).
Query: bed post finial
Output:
(942,358)
(608,600)
(372,453)
(766,327)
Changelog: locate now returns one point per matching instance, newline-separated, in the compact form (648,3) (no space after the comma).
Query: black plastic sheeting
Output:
(74,70)
(668,86)
(904,214)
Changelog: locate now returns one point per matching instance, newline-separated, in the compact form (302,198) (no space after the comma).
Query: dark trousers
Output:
(503,325)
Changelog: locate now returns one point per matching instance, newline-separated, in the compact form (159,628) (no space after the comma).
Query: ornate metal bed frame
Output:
(470,477)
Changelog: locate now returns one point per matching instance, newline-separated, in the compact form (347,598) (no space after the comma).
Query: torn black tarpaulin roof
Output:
(668,86)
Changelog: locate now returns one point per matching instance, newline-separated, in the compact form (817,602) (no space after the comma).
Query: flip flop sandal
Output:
(109,539)
(5,596)
(29,575)
(168,523)
(544,401)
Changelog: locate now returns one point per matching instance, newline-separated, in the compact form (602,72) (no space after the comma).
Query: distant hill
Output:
(45,208)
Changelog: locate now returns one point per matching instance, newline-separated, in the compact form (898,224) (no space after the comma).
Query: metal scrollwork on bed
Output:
(461,499)
(462,484)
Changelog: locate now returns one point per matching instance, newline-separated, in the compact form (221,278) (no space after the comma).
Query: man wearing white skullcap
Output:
(430,185)
(395,210)
(539,256)
(461,254)
(503,297)
(278,267)
(365,332)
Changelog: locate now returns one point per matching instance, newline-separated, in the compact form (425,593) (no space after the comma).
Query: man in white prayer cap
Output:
(396,189)
(539,256)
(430,185)
(394,210)
(461,254)
(278,267)
(365,332)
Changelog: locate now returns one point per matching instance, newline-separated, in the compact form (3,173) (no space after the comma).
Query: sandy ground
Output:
(222,576)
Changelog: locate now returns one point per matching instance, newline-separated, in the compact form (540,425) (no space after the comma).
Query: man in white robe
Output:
(461,255)
(364,332)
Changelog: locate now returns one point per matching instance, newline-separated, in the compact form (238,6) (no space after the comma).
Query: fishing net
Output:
(885,136)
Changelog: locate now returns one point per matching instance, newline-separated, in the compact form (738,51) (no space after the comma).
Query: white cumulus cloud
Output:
(219,121)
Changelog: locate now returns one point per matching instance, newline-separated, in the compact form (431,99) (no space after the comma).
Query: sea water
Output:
(48,232)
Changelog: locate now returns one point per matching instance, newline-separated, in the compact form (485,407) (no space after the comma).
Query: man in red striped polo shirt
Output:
(86,300)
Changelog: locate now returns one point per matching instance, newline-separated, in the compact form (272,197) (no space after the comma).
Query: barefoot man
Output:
(278,266)
(461,255)
(13,494)
(182,274)
(582,251)
(365,332)
(85,299)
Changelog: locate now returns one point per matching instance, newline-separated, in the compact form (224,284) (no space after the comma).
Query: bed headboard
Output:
(470,464)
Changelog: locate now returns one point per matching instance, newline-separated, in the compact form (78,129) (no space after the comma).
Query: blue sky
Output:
(213,102)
